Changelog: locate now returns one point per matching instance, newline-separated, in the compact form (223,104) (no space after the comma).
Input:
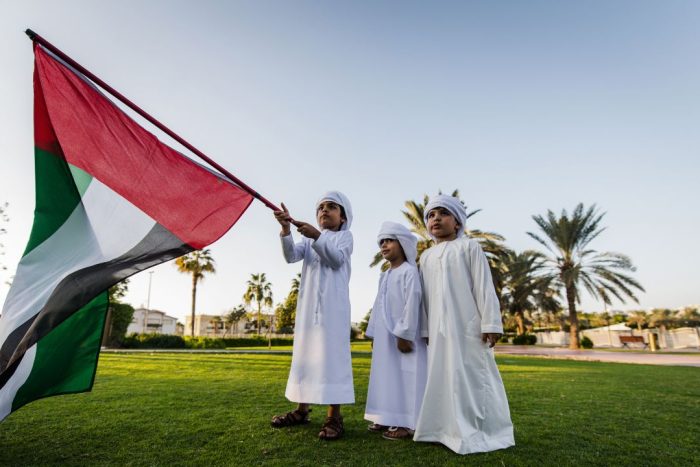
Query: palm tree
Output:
(196,263)
(233,317)
(689,316)
(260,291)
(491,243)
(285,313)
(216,322)
(547,298)
(638,317)
(574,264)
(524,284)
(661,318)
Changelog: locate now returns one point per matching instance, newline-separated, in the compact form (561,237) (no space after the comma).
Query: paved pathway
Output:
(645,358)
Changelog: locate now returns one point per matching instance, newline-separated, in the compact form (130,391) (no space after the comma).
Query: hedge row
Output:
(525,339)
(162,341)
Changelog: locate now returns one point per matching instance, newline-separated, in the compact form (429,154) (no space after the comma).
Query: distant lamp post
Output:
(148,303)
(269,332)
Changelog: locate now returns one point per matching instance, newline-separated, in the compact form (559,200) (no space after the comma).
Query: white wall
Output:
(681,338)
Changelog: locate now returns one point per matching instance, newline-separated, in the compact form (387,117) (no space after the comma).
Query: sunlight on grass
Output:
(214,409)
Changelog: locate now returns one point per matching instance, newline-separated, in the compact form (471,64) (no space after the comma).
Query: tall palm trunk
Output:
(573,317)
(194,299)
(259,316)
(520,322)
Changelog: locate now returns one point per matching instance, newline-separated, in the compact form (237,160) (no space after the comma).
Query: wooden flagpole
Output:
(36,38)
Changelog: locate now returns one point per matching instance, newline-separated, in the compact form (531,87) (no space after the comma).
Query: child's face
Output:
(442,224)
(329,215)
(391,250)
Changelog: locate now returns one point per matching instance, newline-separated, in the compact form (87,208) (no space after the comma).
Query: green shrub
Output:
(204,343)
(120,317)
(504,339)
(525,339)
(153,341)
(586,343)
(256,341)
(163,341)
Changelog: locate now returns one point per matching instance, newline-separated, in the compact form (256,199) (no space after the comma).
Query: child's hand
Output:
(404,346)
(284,219)
(491,338)
(307,230)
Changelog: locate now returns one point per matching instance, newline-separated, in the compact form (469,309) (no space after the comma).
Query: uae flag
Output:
(111,200)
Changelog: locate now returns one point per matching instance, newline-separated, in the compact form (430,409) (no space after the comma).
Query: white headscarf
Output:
(408,241)
(342,200)
(450,203)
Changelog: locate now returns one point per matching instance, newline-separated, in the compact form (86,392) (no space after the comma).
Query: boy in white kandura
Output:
(397,376)
(465,405)
(321,371)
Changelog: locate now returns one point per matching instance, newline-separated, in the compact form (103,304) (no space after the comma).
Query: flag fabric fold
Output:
(111,200)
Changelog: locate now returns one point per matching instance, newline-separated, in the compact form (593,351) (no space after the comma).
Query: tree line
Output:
(526,282)
(534,281)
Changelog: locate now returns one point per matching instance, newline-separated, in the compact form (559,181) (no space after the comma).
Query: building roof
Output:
(157,312)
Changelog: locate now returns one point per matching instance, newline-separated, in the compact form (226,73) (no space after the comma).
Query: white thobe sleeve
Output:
(424,331)
(407,326)
(293,252)
(483,290)
(369,332)
(334,253)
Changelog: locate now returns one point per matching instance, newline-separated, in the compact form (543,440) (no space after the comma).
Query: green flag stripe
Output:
(66,358)
(57,195)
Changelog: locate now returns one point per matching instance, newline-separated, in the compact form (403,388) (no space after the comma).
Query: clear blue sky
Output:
(522,106)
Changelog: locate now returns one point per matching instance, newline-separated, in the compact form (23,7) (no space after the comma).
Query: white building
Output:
(204,325)
(609,336)
(152,321)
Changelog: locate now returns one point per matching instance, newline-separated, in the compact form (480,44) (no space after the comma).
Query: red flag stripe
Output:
(194,204)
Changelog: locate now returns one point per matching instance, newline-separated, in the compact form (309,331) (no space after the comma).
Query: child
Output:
(465,405)
(397,376)
(321,371)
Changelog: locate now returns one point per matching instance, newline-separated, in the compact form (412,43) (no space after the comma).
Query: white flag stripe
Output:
(8,392)
(103,227)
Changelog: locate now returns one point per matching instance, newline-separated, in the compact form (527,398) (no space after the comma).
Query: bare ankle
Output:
(333,411)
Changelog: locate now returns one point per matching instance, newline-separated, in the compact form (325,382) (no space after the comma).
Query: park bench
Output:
(626,340)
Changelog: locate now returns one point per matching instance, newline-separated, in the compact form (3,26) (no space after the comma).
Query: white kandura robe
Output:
(321,371)
(465,405)
(396,380)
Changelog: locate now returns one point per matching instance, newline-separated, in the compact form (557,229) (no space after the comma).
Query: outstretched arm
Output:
(292,252)
(336,252)
(284,219)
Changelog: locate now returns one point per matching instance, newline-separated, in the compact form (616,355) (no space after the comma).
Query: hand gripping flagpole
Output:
(36,38)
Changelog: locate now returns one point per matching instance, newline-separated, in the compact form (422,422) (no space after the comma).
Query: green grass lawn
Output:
(149,409)
(356,346)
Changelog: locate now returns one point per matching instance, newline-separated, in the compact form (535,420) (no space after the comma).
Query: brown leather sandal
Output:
(332,429)
(376,428)
(396,433)
(295,417)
